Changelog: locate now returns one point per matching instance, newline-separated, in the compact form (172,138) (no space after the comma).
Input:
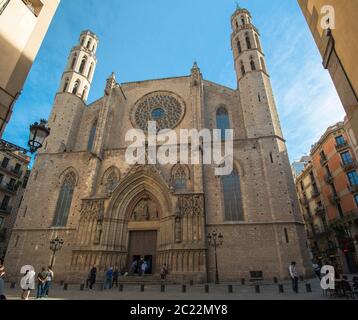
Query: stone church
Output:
(110,213)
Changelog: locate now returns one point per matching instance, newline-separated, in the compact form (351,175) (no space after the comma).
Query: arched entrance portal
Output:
(143,227)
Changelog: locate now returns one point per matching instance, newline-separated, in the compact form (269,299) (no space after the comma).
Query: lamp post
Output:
(55,245)
(38,133)
(215,240)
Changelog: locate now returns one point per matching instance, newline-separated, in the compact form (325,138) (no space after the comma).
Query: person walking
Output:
(92,277)
(164,272)
(48,283)
(2,284)
(27,284)
(41,280)
(144,268)
(317,270)
(115,277)
(294,276)
(109,278)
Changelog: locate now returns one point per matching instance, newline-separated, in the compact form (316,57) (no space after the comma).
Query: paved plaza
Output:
(175,292)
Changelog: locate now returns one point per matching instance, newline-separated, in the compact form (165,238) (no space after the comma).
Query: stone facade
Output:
(113,200)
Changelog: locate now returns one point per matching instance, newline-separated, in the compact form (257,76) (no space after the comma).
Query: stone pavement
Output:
(174,292)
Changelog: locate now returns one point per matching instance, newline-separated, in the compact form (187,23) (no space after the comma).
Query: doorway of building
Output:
(142,249)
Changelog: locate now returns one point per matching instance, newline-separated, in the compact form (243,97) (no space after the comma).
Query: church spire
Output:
(110,83)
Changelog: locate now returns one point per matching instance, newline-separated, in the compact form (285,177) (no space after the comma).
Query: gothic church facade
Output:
(110,213)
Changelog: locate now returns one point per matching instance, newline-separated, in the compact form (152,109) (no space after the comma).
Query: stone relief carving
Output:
(192,204)
(93,209)
(178,227)
(145,210)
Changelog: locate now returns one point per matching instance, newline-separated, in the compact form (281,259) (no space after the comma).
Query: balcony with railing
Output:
(328,179)
(320,211)
(323,160)
(5,209)
(353,188)
(342,146)
(335,200)
(348,166)
(8,188)
(315,193)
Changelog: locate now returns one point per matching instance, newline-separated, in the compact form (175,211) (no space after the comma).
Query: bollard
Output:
(308,288)
(280,288)
(257,288)
(82,287)
(207,289)
(13,285)
(243,282)
(183,288)
(142,288)
(162,288)
(230,288)
(275,280)
(65,286)
(191,283)
(120,287)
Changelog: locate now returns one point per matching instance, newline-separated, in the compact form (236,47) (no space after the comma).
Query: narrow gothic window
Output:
(82,41)
(90,70)
(252,63)
(180,179)
(222,121)
(74,62)
(263,65)
(248,42)
(76,87)
(89,43)
(64,200)
(65,85)
(243,71)
(237,25)
(83,65)
(259,96)
(242,20)
(84,93)
(111,181)
(258,42)
(239,46)
(232,197)
(286,236)
(92,137)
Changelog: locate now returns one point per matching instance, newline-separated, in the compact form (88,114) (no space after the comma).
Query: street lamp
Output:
(55,245)
(215,240)
(38,133)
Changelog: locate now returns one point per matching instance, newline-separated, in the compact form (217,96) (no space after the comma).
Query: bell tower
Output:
(254,84)
(81,65)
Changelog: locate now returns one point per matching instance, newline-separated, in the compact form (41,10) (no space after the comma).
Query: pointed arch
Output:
(248,41)
(90,70)
(89,43)
(74,60)
(222,120)
(239,48)
(180,176)
(258,44)
(252,64)
(140,179)
(76,86)
(232,196)
(84,93)
(110,179)
(64,200)
(83,64)
(263,66)
(92,136)
(242,68)
(65,86)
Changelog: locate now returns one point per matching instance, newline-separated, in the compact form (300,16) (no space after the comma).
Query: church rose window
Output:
(163,107)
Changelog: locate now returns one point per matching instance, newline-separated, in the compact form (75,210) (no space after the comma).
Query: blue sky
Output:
(143,39)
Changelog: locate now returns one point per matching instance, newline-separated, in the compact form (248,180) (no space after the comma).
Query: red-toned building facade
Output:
(334,175)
